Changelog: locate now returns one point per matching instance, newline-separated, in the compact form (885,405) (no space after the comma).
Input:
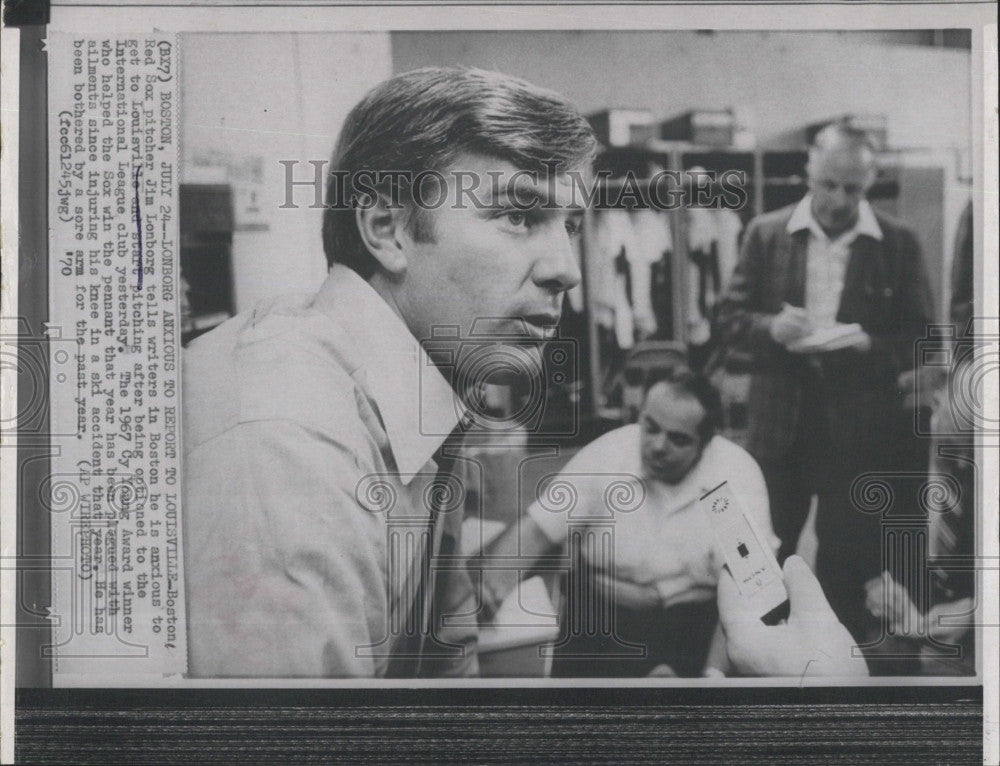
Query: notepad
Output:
(831,338)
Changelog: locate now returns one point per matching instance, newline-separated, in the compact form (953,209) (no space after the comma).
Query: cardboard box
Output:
(708,127)
(622,127)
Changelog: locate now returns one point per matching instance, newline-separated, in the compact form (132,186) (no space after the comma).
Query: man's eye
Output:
(573,226)
(516,218)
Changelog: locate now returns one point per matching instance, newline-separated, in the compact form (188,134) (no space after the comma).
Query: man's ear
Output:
(871,177)
(810,164)
(381,225)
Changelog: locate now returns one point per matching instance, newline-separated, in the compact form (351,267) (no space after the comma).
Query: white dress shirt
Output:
(310,426)
(826,259)
(661,535)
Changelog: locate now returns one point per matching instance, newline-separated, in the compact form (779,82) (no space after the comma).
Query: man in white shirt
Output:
(320,527)
(640,545)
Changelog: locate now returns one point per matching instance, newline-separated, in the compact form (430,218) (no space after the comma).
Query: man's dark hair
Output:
(685,381)
(423,120)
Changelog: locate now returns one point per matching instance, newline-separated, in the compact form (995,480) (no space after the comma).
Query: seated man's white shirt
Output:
(661,535)
(308,424)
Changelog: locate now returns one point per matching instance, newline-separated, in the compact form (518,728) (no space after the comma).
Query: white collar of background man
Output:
(867,224)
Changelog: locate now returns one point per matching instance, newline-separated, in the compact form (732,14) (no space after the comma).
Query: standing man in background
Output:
(830,298)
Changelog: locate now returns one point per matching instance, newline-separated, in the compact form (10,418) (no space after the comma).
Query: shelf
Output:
(670,193)
(790,181)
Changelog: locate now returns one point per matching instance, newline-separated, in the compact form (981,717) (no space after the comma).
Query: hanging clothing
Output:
(704,282)
(612,277)
(651,240)
(612,234)
(728,226)
(662,289)
(624,320)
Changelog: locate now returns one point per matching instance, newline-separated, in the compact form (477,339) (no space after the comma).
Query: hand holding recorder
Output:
(812,642)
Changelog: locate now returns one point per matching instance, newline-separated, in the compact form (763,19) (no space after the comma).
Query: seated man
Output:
(938,623)
(659,569)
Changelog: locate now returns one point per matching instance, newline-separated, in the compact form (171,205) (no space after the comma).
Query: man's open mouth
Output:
(542,324)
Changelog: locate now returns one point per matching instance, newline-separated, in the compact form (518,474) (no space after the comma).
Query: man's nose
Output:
(556,267)
(841,199)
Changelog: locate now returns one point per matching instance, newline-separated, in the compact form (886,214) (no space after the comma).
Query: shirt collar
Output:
(417,405)
(802,218)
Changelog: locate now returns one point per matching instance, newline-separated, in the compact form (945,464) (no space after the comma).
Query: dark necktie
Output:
(417,649)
